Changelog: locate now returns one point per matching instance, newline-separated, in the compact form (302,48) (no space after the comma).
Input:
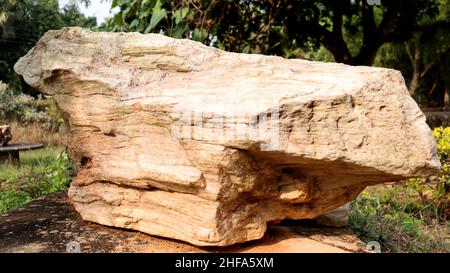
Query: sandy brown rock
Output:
(180,140)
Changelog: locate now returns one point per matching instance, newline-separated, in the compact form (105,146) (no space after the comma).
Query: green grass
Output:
(399,220)
(41,172)
(30,161)
(411,216)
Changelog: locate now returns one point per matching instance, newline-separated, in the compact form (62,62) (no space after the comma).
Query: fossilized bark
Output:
(147,162)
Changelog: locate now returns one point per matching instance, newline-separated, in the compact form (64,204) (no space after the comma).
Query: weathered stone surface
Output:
(147,162)
(50,224)
(335,218)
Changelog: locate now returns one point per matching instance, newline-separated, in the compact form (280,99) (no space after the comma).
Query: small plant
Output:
(410,216)
(434,192)
(41,176)
(11,199)
(60,171)
(397,230)
(26,109)
(442,190)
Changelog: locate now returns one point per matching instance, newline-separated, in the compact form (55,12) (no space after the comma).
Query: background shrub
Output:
(25,109)
(411,216)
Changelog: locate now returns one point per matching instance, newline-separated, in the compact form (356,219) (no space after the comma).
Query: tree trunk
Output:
(414,84)
(446,97)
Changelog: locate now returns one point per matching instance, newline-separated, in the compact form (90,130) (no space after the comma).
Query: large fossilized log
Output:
(177,139)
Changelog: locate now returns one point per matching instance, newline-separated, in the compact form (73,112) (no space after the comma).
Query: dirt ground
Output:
(50,224)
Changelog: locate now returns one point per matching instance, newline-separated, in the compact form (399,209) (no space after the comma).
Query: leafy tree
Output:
(413,34)
(424,58)
(352,30)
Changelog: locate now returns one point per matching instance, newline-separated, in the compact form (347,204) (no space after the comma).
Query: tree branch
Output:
(433,26)
(427,69)
(408,52)
(386,26)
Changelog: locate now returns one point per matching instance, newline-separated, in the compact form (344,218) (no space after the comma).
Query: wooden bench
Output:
(9,154)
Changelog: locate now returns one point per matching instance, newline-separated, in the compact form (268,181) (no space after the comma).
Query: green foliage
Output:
(15,106)
(442,190)
(54,113)
(11,199)
(40,174)
(352,30)
(321,54)
(435,190)
(410,216)
(60,172)
(158,13)
(424,58)
(380,214)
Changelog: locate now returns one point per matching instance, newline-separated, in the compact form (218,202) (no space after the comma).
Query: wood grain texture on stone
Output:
(180,140)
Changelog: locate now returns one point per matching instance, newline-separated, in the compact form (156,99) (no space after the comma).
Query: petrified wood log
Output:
(5,134)
(177,139)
